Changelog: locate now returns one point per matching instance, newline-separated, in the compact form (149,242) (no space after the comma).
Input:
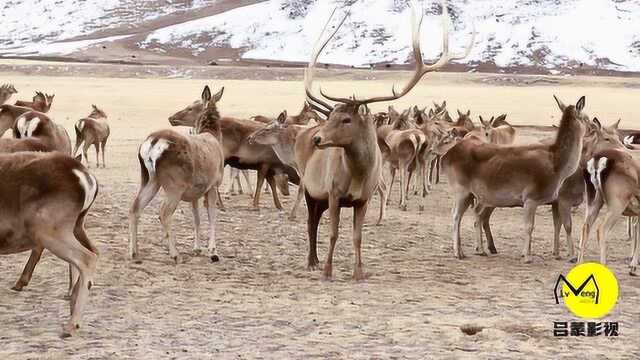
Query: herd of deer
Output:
(335,153)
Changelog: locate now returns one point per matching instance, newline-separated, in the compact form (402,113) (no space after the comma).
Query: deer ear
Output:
(206,95)
(468,112)
(580,104)
(444,104)
(481,120)
(282,117)
(597,123)
(561,105)
(218,96)
(616,124)
(459,113)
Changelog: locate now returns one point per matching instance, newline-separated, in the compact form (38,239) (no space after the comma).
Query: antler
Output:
(421,68)
(313,100)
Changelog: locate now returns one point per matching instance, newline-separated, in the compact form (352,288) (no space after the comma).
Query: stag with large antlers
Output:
(340,161)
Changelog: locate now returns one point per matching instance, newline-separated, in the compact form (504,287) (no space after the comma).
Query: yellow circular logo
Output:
(589,290)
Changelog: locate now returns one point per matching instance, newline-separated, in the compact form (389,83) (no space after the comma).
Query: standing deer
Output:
(513,176)
(186,168)
(340,162)
(33,124)
(44,199)
(6,90)
(612,177)
(498,130)
(92,130)
(41,102)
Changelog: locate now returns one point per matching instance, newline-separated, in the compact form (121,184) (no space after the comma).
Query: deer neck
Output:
(210,123)
(568,146)
(361,153)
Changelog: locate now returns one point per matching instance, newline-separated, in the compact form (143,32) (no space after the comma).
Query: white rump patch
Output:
(591,169)
(27,128)
(89,185)
(151,153)
(628,140)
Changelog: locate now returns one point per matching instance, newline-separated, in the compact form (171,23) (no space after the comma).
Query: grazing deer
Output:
(340,162)
(498,130)
(92,130)
(513,176)
(612,177)
(6,90)
(571,192)
(41,102)
(187,168)
(33,124)
(44,199)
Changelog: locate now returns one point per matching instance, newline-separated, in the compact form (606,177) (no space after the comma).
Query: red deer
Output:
(41,102)
(92,130)
(44,199)
(33,126)
(340,161)
(186,167)
(242,155)
(9,114)
(498,130)
(571,192)
(612,177)
(281,136)
(6,90)
(513,176)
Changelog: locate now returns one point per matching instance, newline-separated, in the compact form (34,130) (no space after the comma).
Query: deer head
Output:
(208,121)
(271,133)
(187,116)
(97,113)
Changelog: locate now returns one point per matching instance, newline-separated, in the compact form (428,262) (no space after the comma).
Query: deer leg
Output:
(432,170)
(359,213)
(315,210)
(593,211)
(636,249)
(272,184)
(334,218)
(403,179)
(256,197)
(478,210)
(77,146)
(146,193)
(104,144)
(529,224)
(25,278)
(196,226)
(610,219)
(67,247)
(237,179)
(294,209)
(392,170)
(232,176)
(166,216)
(85,147)
(424,163)
(245,173)
(462,203)
(211,212)
(486,226)
(96,145)
(382,190)
(438,168)
(567,222)
(282,180)
(556,229)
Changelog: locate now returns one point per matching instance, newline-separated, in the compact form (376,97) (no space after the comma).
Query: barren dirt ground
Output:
(260,301)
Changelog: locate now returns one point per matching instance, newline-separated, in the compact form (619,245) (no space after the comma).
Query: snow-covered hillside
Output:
(555,35)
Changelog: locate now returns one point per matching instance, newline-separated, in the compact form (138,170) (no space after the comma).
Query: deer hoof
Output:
(421,208)
(18,286)
(68,330)
(177,259)
(632,271)
(215,258)
(481,252)
(527,259)
(359,275)
(573,260)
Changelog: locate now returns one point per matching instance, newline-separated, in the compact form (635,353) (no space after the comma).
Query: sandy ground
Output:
(260,301)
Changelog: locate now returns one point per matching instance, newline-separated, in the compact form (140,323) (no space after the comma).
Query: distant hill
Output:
(540,36)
